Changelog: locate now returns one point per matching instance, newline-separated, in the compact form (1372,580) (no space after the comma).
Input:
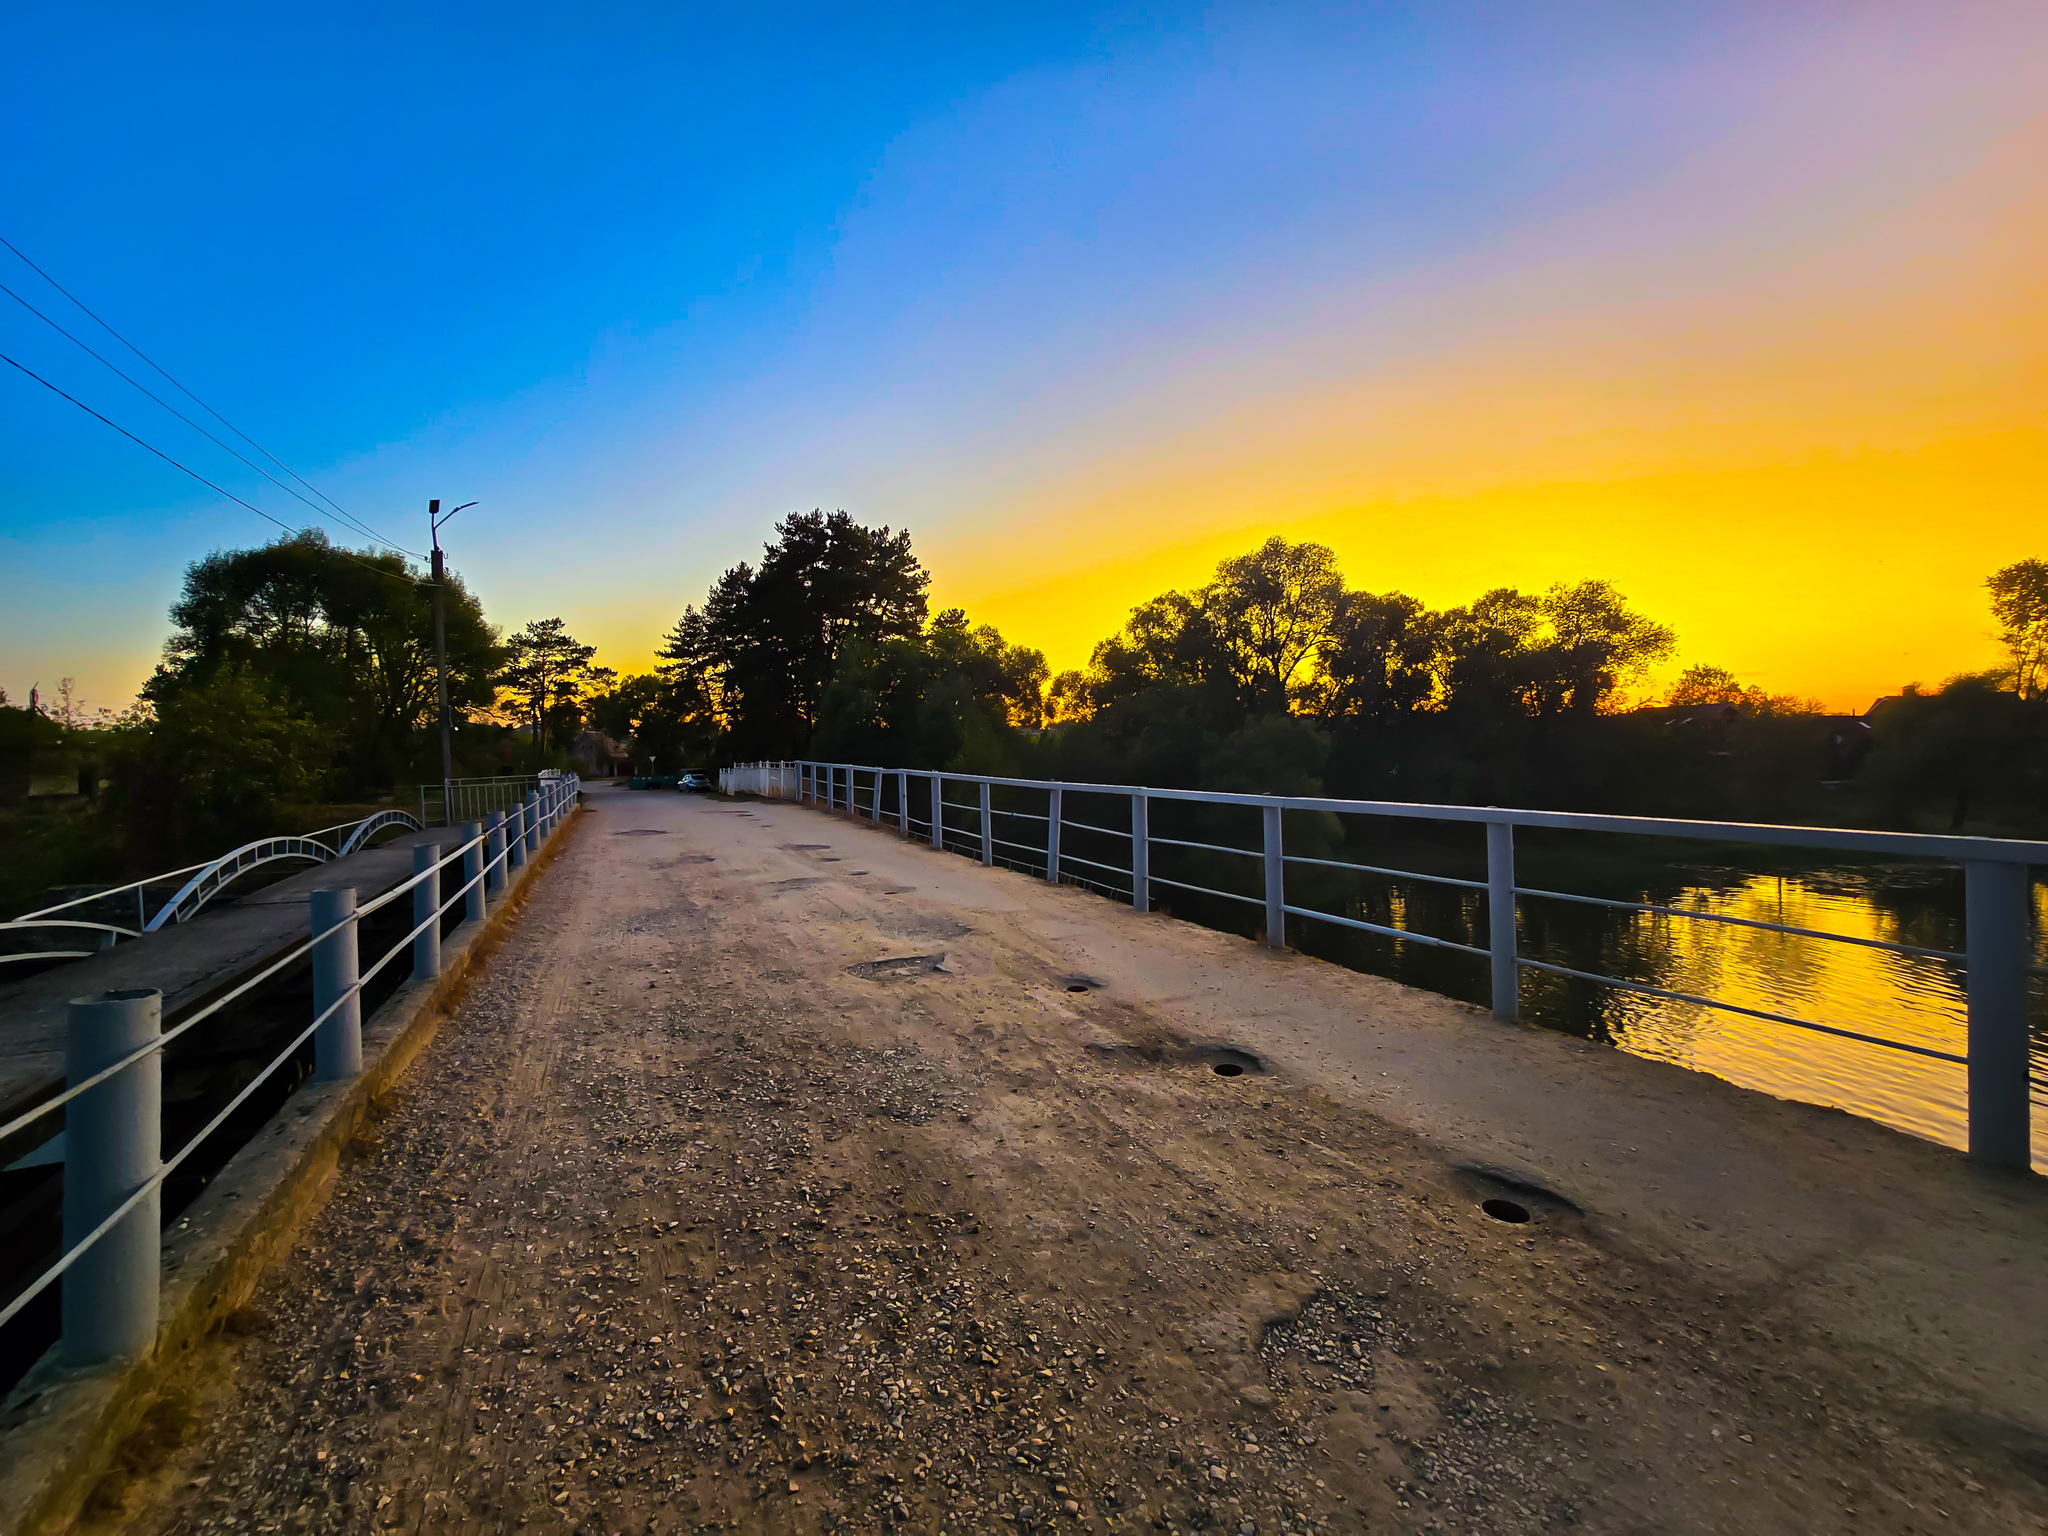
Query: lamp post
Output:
(434,521)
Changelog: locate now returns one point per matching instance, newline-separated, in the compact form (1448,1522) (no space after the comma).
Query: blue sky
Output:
(642,279)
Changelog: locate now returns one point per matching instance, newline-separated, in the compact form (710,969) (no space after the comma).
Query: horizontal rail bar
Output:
(1754,1013)
(1747,922)
(1175,842)
(1089,826)
(1405,934)
(115,890)
(1074,858)
(1250,901)
(1375,869)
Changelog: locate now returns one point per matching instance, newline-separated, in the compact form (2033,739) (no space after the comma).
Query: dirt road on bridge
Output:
(780,1175)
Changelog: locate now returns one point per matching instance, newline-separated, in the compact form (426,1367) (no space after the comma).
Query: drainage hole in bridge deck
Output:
(1225,1061)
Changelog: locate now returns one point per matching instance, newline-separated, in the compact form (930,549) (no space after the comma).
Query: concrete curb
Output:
(62,1430)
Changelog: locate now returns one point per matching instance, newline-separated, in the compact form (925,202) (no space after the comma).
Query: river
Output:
(1914,999)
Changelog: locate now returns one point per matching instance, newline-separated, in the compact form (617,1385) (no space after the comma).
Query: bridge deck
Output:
(190,962)
(695,1214)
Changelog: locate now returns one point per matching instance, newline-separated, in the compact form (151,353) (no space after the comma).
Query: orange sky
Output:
(1800,423)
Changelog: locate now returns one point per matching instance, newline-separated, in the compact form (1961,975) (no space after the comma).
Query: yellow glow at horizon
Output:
(1805,451)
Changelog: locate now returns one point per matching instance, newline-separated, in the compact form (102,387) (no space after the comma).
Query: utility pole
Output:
(434,522)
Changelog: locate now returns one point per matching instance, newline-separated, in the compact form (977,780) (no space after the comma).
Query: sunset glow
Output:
(1747,319)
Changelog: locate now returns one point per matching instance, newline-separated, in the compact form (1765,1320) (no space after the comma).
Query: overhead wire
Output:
(348,523)
(349,518)
(410,581)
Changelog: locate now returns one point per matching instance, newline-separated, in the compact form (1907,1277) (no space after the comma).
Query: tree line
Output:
(1278,675)
(302,674)
(297,674)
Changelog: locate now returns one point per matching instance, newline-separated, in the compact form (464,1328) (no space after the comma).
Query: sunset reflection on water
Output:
(1917,1000)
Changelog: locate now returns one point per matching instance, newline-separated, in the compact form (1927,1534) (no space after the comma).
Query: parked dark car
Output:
(698,782)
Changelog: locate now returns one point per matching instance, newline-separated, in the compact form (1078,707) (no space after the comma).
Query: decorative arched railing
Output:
(370,826)
(109,935)
(229,867)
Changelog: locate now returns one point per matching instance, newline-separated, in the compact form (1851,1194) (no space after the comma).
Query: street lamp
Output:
(435,518)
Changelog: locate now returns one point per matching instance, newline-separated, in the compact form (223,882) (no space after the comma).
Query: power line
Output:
(349,523)
(353,521)
(219,490)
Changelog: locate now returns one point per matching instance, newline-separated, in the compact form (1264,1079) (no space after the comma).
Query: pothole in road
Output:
(899,967)
(642,832)
(1080,983)
(1505,1210)
(697,858)
(804,847)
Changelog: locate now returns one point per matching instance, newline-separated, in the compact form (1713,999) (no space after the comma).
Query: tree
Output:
(1066,700)
(950,697)
(1700,685)
(345,639)
(1596,644)
(770,638)
(2019,601)
(662,720)
(548,672)
(1970,743)
(1382,657)
(215,765)
(1273,609)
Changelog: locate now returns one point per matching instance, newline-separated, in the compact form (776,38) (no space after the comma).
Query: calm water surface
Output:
(1898,997)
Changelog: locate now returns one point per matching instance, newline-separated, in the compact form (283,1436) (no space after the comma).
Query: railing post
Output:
(470,834)
(494,852)
(1141,854)
(903,801)
(1052,837)
(426,909)
(1276,882)
(1996,898)
(113,1145)
(988,830)
(532,823)
(939,812)
(338,1042)
(1500,919)
(515,838)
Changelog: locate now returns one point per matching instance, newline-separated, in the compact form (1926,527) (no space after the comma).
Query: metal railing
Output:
(449,802)
(200,884)
(1997,957)
(114,1169)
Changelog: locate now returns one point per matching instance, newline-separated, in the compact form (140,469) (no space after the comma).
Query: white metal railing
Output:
(201,883)
(1997,956)
(114,1066)
(777,779)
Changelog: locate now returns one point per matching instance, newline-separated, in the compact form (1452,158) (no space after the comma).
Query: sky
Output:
(1741,307)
